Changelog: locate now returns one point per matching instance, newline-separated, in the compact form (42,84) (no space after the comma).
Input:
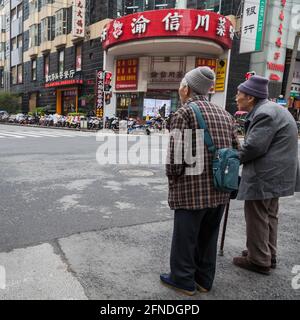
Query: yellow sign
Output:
(221,75)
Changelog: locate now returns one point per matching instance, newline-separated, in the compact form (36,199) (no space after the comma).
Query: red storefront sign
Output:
(127,74)
(63,83)
(169,23)
(203,62)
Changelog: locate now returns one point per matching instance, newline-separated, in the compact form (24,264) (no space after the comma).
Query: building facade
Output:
(50,50)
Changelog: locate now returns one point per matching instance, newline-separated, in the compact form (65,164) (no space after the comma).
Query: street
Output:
(73,229)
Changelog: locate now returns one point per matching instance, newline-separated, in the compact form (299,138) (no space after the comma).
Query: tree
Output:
(9,102)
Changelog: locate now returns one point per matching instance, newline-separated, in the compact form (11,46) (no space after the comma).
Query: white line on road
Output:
(26,134)
(11,135)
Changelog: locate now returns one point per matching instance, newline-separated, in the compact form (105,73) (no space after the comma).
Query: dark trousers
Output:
(194,246)
(261,226)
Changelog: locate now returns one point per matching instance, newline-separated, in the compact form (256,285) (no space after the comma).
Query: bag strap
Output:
(207,137)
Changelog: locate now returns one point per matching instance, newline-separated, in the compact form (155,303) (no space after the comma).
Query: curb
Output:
(43,127)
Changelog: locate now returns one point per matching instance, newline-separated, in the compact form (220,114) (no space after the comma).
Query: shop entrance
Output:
(33,101)
(67,101)
(128,105)
(161,103)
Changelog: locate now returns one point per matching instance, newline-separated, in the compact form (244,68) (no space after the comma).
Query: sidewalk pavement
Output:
(125,263)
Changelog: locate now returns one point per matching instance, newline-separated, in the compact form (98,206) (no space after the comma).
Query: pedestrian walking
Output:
(198,206)
(269,156)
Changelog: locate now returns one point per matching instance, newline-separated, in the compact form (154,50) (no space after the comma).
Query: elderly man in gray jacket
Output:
(270,170)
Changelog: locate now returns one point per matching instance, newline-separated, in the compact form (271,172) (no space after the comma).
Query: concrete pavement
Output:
(70,229)
(125,263)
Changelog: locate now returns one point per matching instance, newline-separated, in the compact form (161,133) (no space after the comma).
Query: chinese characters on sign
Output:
(202,21)
(221,29)
(127,74)
(78,27)
(69,74)
(221,75)
(275,66)
(100,93)
(62,79)
(117,30)
(253,26)
(139,25)
(173,22)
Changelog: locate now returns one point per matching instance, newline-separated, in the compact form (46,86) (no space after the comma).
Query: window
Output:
(61,22)
(78,57)
(19,11)
(46,25)
(211,5)
(33,6)
(20,41)
(1,78)
(33,36)
(45,2)
(14,44)
(33,70)
(14,75)
(20,73)
(46,65)
(61,61)
(14,14)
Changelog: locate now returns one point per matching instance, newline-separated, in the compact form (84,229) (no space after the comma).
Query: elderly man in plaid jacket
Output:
(198,205)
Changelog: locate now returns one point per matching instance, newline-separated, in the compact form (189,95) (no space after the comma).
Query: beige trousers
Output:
(261,229)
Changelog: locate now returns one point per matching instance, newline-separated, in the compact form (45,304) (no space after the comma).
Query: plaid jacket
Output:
(197,191)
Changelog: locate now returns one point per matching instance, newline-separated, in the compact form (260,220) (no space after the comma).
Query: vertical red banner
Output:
(99,93)
(127,74)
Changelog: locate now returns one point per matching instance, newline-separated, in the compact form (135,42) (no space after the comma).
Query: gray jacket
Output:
(269,154)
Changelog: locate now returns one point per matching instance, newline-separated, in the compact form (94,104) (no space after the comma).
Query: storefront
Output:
(67,88)
(149,52)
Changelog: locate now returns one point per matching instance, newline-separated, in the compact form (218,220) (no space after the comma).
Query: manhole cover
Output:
(136,173)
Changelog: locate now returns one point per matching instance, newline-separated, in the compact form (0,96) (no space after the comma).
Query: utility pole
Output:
(292,67)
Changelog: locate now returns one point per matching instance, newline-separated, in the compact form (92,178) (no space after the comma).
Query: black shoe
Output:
(243,262)
(200,288)
(273,259)
(166,280)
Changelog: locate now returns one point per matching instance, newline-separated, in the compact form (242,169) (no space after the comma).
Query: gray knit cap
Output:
(200,80)
(256,86)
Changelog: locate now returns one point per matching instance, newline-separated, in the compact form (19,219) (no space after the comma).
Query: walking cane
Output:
(221,252)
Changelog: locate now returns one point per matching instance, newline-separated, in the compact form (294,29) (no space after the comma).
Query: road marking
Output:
(23,134)
(40,134)
(11,135)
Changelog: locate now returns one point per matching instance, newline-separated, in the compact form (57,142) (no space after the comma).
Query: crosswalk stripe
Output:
(40,134)
(24,134)
(63,134)
(11,135)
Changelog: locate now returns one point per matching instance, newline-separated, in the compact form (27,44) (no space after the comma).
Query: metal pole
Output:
(292,67)
(104,103)
(220,6)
